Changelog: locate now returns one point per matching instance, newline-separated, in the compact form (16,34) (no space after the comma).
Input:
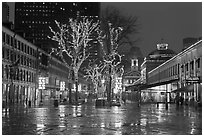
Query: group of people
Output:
(179,100)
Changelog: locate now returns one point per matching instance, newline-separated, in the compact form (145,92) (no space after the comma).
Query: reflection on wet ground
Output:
(86,120)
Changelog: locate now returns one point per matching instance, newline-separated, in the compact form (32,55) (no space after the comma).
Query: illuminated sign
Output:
(162,46)
(62,85)
(41,83)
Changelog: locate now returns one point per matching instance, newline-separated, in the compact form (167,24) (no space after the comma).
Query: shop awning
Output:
(188,88)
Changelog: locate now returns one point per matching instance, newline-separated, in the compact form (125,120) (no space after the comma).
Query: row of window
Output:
(35,10)
(189,67)
(172,71)
(130,81)
(175,70)
(18,45)
(36,22)
(18,74)
(15,56)
(12,51)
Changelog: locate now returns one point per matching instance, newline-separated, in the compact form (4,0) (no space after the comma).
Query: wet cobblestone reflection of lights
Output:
(89,120)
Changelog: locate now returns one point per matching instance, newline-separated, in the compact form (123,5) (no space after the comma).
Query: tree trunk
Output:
(70,93)
(76,94)
(76,85)
(109,87)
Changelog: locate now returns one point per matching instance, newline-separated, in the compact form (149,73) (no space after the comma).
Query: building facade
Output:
(19,65)
(30,75)
(180,76)
(140,88)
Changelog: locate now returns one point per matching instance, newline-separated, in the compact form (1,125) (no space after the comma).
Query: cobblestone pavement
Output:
(86,119)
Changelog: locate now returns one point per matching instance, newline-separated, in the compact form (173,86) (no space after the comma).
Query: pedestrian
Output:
(186,100)
(181,100)
(177,99)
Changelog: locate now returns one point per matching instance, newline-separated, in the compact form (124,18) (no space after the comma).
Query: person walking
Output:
(177,99)
(181,99)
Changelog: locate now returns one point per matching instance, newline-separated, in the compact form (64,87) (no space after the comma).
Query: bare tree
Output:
(111,57)
(73,43)
(129,24)
(95,72)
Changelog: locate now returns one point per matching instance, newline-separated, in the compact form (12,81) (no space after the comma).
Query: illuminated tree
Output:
(111,57)
(95,73)
(73,43)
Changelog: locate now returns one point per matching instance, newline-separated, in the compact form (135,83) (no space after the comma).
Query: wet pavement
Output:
(86,119)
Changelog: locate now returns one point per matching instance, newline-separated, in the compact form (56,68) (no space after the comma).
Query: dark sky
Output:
(170,21)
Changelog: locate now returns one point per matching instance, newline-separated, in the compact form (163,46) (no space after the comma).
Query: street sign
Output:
(193,80)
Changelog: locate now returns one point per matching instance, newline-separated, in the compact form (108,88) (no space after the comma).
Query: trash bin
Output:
(56,103)
(100,102)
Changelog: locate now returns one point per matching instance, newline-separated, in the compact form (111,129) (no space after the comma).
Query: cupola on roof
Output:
(162,52)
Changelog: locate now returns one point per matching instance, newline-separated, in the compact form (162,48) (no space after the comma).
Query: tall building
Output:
(5,16)
(34,18)
(5,12)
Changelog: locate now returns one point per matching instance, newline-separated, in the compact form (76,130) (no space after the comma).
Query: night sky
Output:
(170,21)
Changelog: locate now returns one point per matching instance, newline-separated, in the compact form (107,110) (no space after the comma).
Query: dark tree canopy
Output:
(129,24)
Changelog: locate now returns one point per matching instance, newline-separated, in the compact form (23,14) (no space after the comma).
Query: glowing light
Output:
(118,124)
(103,125)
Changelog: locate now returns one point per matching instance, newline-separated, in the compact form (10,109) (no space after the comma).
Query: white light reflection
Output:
(118,125)
(74,126)
(40,128)
(117,120)
(41,115)
(61,109)
(62,116)
(160,119)
(76,111)
(192,128)
(143,121)
(103,125)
